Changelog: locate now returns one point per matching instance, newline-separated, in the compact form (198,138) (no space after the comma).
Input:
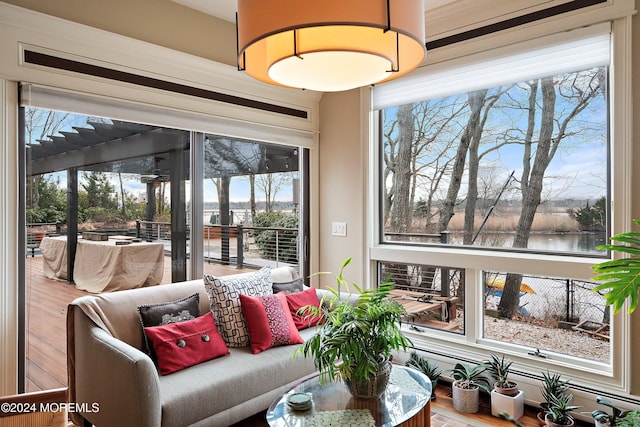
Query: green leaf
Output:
(621,277)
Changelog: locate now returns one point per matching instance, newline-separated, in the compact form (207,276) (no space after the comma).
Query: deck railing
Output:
(236,244)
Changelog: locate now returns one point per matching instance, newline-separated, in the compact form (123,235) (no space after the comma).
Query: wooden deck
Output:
(46,313)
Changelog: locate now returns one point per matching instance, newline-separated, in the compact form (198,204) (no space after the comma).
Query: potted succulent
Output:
(559,411)
(603,418)
(424,365)
(505,396)
(498,368)
(357,337)
(552,386)
(466,386)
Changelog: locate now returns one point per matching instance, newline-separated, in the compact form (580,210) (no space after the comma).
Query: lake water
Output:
(552,242)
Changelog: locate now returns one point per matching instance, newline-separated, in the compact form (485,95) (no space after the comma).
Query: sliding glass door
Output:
(184,202)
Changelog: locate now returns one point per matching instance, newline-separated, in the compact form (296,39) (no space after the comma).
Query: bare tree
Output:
(472,130)
(576,90)
(39,125)
(401,188)
(271,184)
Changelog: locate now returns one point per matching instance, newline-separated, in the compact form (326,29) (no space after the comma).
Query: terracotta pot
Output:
(508,391)
(541,416)
(465,400)
(552,424)
(374,386)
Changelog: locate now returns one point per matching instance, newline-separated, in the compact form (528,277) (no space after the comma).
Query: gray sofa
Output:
(112,381)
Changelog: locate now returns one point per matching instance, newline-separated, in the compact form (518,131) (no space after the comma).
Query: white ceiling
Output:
(226,9)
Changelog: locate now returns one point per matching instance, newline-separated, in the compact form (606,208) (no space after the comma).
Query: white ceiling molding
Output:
(466,15)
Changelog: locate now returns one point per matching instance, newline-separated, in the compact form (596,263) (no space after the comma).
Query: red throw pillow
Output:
(184,344)
(297,301)
(269,322)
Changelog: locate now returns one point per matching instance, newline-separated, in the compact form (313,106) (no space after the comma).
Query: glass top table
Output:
(405,402)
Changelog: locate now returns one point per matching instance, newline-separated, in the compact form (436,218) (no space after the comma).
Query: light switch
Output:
(339,229)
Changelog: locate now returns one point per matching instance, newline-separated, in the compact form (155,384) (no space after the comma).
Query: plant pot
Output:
(513,405)
(550,423)
(465,400)
(605,424)
(373,387)
(507,391)
(434,384)
(541,416)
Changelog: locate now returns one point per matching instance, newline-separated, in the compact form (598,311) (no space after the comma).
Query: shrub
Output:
(279,244)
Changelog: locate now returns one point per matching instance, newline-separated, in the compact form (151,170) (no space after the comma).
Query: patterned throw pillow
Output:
(184,344)
(224,299)
(165,313)
(269,322)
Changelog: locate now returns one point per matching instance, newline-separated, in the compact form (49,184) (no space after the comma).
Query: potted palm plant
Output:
(505,396)
(357,337)
(430,369)
(466,386)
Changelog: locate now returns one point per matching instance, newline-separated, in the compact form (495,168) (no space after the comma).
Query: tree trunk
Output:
(252,197)
(476,102)
(531,186)
(475,105)
(124,211)
(401,212)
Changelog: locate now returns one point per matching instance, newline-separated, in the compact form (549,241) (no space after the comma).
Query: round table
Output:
(405,402)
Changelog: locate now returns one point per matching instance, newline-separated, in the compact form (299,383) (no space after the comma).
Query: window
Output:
(518,164)
(495,168)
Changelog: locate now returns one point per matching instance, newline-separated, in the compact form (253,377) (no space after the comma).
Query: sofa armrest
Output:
(327,295)
(116,383)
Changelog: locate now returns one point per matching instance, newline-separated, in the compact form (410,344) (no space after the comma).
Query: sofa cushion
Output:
(211,387)
(183,344)
(291,287)
(168,312)
(301,299)
(224,298)
(269,322)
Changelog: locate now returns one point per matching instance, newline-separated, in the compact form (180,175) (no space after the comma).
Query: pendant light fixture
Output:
(329,45)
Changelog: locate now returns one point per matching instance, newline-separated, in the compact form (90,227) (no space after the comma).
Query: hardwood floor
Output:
(46,314)
(443,401)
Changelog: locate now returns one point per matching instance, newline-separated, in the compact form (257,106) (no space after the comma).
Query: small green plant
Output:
(560,408)
(506,416)
(631,419)
(425,366)
(621,276)
(470,378)
(616,416)
(498,368)
(553,386)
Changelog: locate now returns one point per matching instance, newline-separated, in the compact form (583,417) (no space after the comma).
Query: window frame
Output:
(615,376)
